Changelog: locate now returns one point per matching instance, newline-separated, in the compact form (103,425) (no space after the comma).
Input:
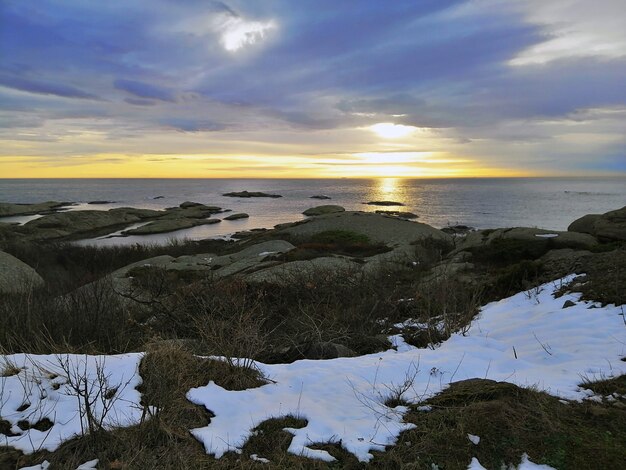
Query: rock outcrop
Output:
(9,209)
(16,276)
(321,210)
(610,226)
(241,215)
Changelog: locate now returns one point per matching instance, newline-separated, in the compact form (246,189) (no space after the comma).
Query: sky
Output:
(312,88)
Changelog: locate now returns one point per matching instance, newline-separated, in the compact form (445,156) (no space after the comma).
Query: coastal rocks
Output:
(399,214)
(321,196)
(169,225)
(378,228)
(16,276)
(534,242)
(241,215)
(245,260)
(384,203)
(249,194)
(458,229)
(69,224)
(9,209)
(321,210)
(98,203)
(610,226)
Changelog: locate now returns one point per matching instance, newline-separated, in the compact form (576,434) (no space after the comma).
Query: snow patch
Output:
(527,339)
(41,391)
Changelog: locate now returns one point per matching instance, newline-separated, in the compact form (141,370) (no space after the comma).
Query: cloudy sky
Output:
(312,88)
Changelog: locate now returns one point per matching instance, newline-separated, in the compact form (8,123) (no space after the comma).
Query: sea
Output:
(548,203)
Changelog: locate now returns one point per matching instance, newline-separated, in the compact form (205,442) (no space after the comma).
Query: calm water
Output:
(551,203)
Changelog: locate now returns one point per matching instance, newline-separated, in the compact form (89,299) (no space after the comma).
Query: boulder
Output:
(610,226)
(321,210)
(97,203)
(16,276)
(248,194)
(321,196)
(241,215)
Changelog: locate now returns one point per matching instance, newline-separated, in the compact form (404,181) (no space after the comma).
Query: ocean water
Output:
(550,203)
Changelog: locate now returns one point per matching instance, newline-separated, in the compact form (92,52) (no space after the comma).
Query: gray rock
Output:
(544,239)
(321,210)
(241,215)
(169,225)
(610,226)
(568,304)
(16,276)
(306,271)
(327,350)
(458,229)
(321,196)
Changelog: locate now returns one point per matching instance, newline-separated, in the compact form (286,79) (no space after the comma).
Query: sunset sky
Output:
(286,88)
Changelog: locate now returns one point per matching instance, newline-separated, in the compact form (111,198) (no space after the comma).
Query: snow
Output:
(546,235)
(256,458)
(527,339)
(526,464)
(474,439)
(45,465)
(42,389)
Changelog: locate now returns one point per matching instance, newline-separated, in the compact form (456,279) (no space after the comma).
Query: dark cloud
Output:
(45,88)
(145,90)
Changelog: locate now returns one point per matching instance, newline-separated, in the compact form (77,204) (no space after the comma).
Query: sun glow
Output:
(238,33)
(389,130)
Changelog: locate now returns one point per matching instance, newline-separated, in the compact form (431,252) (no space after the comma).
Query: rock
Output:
(327,350)
(169,225)
(610,226)
(566,260)
(378,228)
(9,209)
(458,229)
(188,204)
(536,240)
(158,197)
(320,210)
(310,270)
(383,203)
(248,233)
(240,215)
(16,276)
(248,194)
(321,196)
(74,223)
(400,214)
(568,304)
(95,203)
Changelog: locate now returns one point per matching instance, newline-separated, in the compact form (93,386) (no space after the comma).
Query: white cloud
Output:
(577,28)
(237,33)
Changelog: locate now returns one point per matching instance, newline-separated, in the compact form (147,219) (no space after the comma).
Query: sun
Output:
(389,130)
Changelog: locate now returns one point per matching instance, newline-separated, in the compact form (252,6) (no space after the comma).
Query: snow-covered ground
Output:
(63,388)
(528,339)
